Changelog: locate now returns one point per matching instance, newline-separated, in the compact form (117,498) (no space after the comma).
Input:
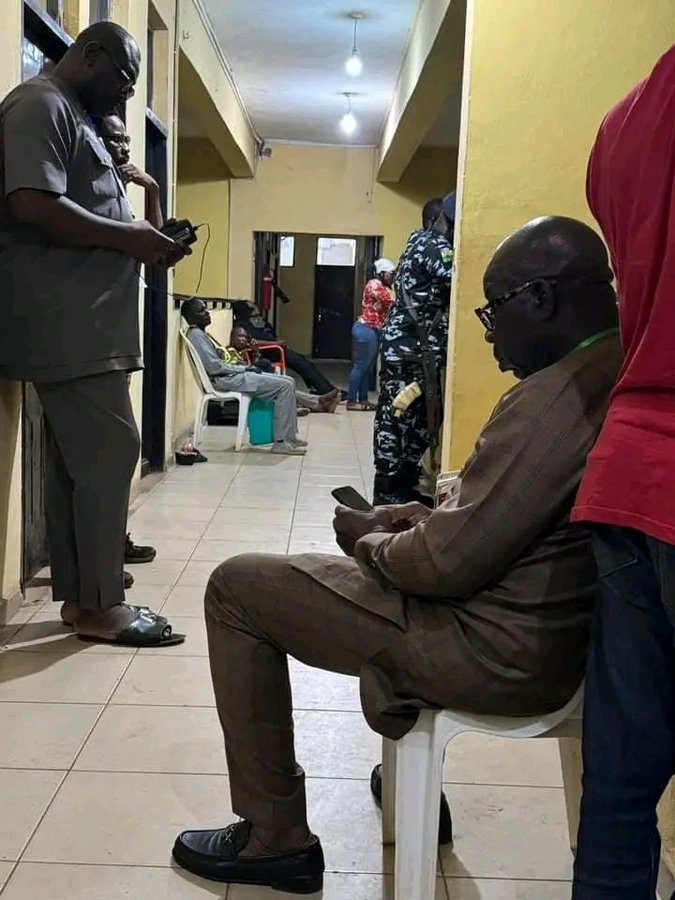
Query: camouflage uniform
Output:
(424,273)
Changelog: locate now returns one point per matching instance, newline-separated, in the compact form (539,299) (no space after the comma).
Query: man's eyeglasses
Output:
(128,81)
(486,314)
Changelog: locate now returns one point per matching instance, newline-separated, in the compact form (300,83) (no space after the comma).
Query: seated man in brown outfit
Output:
(481,605)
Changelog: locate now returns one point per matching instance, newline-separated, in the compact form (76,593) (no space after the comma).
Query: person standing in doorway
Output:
(377,301)
(413,355)
(69,259)
(628,494)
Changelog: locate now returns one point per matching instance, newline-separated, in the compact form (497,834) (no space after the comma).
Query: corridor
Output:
(107,753)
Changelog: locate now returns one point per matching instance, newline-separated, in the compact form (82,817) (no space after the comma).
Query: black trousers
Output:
(91,453)
(305,369)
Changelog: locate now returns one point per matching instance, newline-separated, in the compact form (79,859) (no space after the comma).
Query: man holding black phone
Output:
(481,605)
(70,253)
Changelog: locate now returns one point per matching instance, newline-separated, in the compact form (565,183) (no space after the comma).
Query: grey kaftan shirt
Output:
(67,312)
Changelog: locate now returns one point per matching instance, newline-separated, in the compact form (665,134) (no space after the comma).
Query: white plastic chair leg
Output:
(199,419)
(241,423)
(419,764)
(570,760)
(388,791)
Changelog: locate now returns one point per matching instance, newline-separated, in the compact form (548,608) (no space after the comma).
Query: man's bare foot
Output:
(329,402)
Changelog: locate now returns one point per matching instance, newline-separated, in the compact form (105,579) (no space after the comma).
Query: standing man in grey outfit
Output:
(69,258)
(232,376)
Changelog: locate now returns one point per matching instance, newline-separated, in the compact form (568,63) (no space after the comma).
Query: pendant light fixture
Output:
(349,123)
(354,64)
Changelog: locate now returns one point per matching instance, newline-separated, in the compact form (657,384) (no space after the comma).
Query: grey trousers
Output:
(278,388)
(91,452)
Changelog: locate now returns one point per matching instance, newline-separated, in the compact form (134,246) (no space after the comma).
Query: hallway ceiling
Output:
(288,57)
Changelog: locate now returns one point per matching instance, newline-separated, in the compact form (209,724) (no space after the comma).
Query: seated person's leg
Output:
(309,373)
(281,390)
(258,610)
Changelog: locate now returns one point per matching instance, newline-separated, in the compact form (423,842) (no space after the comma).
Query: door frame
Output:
(155,315)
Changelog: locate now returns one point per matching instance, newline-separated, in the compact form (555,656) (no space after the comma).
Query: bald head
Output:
(548,247)
(102,67)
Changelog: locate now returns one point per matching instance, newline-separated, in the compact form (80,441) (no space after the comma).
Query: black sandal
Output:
(147,629)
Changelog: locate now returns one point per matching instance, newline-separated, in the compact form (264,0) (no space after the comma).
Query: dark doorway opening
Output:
(155,316)
(333,312)
(43,44)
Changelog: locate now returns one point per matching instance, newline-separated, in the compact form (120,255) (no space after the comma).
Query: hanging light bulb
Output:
(349,123)
(354,64)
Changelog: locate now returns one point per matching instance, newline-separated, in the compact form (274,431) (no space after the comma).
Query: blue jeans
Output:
(366,342)
(629,717)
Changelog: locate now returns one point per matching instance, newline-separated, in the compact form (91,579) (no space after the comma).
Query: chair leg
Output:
(199,420)
(419,764)
(388,791)
(570,760)
(242,423)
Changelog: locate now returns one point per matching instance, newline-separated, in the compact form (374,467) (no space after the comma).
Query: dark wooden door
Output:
(43,44)
(333,312)
(155,317)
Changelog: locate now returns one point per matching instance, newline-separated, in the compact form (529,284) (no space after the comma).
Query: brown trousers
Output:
(258,610)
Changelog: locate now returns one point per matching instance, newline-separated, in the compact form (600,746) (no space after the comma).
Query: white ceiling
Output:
(288,59)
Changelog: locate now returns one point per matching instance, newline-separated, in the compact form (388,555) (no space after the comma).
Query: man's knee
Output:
(230,583)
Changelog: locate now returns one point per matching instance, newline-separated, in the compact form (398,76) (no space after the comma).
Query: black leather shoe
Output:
(134,554)
(215,855)
(445,820)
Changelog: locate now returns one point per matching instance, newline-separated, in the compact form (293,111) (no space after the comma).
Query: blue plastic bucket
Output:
(261,422)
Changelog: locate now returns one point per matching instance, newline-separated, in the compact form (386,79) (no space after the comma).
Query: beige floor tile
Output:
(126,819)
(207,497)
(344,815)
(316,689)
(308,538)
(184,601)
(196,573)
(25,797)
(50,678)
(47,633)
(155,739)
(5,869)
(508,832)
(194,628)
(217,551)
(335,887)
(152,595)
(168,515)
(255,532)
(43,735)
(167,548)
(159,572)
(167,523)
(483,759)
(320,517)
(335,744)
(244,516)
(467,889)
(32,881)
(166,681)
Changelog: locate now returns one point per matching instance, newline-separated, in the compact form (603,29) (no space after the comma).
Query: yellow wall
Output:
(295,321)
(10,407)
(203,195)
(330,190)
(539,87)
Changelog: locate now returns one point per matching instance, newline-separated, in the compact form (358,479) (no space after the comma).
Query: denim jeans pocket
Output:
(614,550)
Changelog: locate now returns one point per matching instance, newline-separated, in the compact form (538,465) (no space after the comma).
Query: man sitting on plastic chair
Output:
(482,605)
(228,372)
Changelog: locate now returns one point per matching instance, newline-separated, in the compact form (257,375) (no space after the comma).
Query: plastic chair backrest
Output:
(197,365)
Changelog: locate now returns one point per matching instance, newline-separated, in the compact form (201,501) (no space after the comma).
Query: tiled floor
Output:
(106,754)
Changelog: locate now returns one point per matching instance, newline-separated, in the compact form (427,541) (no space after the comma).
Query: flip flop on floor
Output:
(146,629)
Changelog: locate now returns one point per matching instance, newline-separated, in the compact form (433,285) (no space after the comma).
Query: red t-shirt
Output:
(630,477)
(377,300)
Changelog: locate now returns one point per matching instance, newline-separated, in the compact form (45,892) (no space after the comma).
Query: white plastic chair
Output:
(412,773)
(208,392)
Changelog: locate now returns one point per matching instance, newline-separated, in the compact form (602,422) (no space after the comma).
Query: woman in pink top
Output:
(377,300)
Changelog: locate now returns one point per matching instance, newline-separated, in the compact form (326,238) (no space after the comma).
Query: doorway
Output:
(310,286)
(155,316)
(43,44)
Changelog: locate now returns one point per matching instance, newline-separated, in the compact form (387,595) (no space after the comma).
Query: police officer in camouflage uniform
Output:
(423,276)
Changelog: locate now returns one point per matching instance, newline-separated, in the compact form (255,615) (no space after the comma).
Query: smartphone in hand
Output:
(349,497)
